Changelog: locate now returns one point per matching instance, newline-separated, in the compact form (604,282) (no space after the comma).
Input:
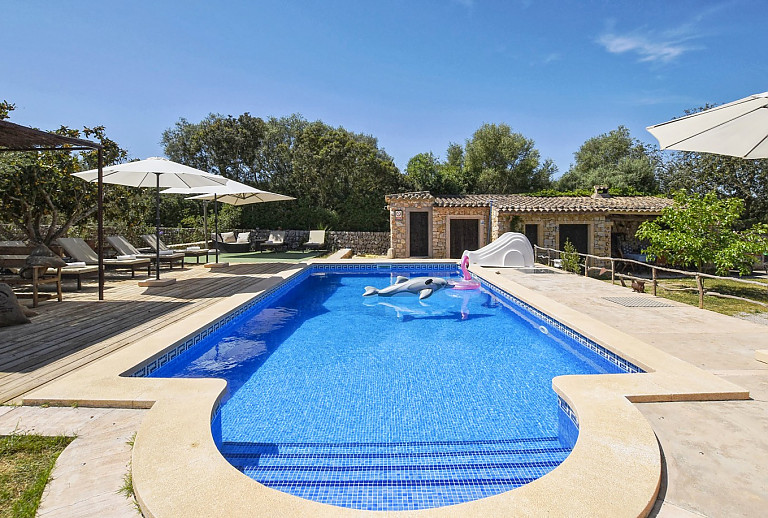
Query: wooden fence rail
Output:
(552,254)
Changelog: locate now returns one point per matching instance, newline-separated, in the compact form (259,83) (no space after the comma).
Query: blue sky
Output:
(415,74)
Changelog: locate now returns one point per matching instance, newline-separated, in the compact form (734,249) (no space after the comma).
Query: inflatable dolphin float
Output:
(424,286)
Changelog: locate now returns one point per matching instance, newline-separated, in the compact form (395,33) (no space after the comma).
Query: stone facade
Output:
(398,224)
(602,214)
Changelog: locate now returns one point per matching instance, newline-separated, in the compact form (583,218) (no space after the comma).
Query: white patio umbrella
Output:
(154,172)
(232,193)
(739,129)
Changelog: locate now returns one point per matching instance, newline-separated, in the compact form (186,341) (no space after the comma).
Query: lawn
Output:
(684,290)
(266,257)
(26,462)
(713,303)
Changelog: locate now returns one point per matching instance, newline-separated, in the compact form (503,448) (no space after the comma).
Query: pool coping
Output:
(614,469)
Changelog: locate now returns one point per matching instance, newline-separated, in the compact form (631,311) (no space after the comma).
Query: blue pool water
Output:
(389,403)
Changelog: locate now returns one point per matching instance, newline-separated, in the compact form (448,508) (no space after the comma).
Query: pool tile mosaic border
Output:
(187,343)
(184,345)
(612,357)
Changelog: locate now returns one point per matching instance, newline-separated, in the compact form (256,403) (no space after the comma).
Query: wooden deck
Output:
(81,329)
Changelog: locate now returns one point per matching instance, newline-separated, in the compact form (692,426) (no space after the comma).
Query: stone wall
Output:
(549,228)
(399,225)
(373,243)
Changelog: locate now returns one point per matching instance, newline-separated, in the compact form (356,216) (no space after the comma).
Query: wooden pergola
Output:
(14,137)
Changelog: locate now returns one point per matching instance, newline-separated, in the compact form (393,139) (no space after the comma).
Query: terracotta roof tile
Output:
(523,203)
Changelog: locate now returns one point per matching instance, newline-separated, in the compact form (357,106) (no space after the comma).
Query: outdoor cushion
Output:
(244,237)
(78,249)
(228,237)
(11,312)
(276,238)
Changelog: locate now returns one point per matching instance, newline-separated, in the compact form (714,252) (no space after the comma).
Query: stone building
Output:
(443,226)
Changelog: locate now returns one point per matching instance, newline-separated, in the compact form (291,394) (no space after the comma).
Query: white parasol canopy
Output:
(244,198)
(154,172)
(232,193)
(146,173)
(739,128)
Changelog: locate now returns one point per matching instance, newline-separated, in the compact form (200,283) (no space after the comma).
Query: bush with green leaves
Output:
(699,231)
(570,257)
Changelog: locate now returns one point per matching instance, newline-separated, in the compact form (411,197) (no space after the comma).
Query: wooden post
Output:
(700,285)
(655,282)
(586,266)
(613,271)
(549,257)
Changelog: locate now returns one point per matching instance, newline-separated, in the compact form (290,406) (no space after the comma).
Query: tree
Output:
(499,161)
(423,171)
(345,174)
(614,159)
(729,176)
(698,231)
(338,177)
(5,109)
(40,197)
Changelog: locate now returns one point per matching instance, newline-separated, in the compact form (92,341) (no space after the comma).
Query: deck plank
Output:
(81,329)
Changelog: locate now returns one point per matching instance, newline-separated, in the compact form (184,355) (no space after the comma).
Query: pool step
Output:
(405,474)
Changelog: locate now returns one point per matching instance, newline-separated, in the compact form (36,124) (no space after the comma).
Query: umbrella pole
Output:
(216,224)
(157,227)
(205,222)
(100,223)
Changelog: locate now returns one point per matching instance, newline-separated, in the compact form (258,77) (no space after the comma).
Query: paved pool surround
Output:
(614,469)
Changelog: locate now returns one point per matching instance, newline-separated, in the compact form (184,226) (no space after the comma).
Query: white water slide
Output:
(511,249)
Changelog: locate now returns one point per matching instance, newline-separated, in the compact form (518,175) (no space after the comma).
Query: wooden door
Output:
(465,235)
(532,233)
(418,231)
(576,234)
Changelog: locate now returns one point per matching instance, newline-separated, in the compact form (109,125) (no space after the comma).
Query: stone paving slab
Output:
(90,471)
(716,453)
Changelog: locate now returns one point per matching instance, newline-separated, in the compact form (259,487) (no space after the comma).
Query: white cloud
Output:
(647,47)
(660,46)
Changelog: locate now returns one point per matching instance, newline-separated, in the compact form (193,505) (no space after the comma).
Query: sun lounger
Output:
(227,242)
(125,248)
(189,252)
(78,271)
(316,240)
(78,249)
(276,240)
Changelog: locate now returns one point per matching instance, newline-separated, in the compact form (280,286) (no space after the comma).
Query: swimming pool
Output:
(391,403)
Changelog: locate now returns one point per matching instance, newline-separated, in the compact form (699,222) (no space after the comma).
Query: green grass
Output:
(265,257)
(26,462)
(712,303)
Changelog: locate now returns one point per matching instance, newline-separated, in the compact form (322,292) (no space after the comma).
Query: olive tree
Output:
(698,231)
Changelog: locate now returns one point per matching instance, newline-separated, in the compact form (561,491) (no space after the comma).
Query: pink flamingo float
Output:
(468,283)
